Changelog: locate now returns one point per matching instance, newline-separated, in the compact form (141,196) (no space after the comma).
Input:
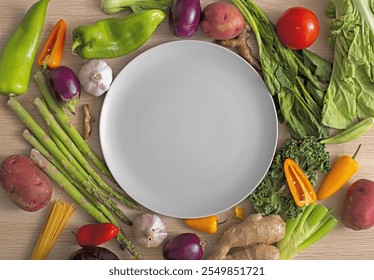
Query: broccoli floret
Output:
(272,196)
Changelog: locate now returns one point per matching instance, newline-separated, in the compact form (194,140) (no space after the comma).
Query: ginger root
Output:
(256,252)
(241,44)
(255,235)
(87,121)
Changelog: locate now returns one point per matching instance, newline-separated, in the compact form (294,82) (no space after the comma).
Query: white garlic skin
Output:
(96,76)
(149,230)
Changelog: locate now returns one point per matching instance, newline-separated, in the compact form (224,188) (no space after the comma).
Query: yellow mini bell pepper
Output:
(207,224)
(342,170)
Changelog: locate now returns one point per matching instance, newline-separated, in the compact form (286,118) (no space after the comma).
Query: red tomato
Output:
(297,28)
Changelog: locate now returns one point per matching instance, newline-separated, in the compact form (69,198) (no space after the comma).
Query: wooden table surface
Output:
(19,230)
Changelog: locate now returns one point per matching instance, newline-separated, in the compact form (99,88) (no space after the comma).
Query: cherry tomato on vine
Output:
(297,28)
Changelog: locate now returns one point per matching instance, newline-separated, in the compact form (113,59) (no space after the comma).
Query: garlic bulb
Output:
(95,77)
(149,230)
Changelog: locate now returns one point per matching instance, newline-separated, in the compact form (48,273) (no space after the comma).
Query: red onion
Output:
(184,17)
(185,246)
(65,87)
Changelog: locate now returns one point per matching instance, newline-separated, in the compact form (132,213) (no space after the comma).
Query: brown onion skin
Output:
(185,246)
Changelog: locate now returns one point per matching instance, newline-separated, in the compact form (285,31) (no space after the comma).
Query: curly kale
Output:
(272,196)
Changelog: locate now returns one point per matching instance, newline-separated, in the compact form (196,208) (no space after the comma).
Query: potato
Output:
(358,206)
(26,185)
(221,21)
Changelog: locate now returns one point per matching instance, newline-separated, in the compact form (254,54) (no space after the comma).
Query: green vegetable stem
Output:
(115,6)
(314,223)
(17,57)
(115,37)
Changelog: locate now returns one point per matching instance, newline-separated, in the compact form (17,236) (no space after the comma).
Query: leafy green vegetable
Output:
(350,92)
(116,6)
(296,80)
(315,222)
(272,196)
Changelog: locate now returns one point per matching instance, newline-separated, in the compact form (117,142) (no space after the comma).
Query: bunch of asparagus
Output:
(65,157)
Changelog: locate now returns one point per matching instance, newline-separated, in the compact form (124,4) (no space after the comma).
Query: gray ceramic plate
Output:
(188,129)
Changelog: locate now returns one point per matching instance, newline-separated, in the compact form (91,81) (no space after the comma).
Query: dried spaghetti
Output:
(58,217)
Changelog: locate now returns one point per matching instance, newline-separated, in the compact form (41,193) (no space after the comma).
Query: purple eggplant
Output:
(184,17)
(65,87)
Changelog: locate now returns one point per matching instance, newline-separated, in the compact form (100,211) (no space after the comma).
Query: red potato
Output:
(358,206)
(26,185)
(222,21)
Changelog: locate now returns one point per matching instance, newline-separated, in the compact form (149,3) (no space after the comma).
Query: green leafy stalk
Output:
(314,223)
(115,6)
(51,170)
(282,70)
(67,126)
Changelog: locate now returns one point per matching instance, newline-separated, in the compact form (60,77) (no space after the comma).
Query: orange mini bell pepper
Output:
(207,224)
(299,184)
(53,49)
(342,170)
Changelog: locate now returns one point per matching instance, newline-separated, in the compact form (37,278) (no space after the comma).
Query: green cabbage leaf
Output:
(350,94)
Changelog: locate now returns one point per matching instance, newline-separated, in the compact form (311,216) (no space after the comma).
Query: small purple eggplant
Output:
(184,17)
(65,87)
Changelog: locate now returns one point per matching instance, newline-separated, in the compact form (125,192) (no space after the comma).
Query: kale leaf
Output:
(272,196)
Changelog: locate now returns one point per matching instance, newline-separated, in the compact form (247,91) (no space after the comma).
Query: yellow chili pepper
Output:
(299,185)
(339,174)
(207,224)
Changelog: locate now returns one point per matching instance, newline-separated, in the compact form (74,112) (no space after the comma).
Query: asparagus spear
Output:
(65,123)
(72,151)
(43,151)
(70,189)
(48,143)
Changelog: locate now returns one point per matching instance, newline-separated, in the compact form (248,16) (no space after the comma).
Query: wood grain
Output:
(19,229)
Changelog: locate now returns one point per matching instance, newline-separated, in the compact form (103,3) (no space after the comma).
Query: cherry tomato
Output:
(297,28)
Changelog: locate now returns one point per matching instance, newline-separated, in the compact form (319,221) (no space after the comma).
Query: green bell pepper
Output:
(115,37)
(18,54)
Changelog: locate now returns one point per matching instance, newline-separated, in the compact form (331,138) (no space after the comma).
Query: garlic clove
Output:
(96,76)
(149,230)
